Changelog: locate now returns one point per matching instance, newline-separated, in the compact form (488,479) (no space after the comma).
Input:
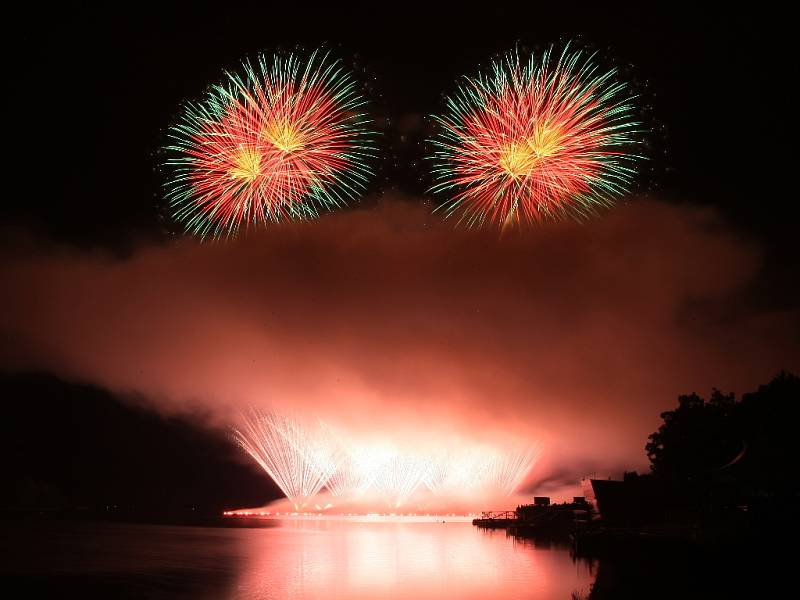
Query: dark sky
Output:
(97,88)
(92,92)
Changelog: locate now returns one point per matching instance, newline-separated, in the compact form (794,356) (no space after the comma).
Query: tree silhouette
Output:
(750,445)
(695,438)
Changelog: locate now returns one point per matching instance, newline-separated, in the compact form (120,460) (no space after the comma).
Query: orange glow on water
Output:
(387,559)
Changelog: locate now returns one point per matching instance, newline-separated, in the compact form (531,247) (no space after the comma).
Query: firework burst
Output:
(297,459)
(536,139)
(282,140)
(509,469)
(304,458)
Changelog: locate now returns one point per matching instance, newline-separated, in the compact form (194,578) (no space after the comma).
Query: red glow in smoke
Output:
(396,331)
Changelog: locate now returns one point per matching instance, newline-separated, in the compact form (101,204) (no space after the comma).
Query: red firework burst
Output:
(535,141)
(279,142)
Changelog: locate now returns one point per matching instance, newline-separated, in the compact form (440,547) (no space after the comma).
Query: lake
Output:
(302,559)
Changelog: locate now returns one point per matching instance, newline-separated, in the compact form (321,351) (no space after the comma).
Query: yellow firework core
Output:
(285,136)
(246,164)
(518,159)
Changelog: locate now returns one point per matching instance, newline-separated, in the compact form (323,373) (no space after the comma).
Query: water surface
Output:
(292,559)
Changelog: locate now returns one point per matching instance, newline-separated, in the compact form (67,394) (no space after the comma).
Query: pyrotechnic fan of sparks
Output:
(303,460)
(287,452)
(534,139)
(283,139)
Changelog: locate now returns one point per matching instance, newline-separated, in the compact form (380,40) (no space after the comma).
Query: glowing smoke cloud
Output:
(440,342)
(302,460)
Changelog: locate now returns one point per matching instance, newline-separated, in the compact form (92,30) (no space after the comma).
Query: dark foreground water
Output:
(293,559)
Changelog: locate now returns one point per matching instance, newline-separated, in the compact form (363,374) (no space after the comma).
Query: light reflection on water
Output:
(297,559)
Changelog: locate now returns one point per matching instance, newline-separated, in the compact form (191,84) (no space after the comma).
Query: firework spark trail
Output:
(400,477)
(436,476)
(452,471)
(282,140)
(507,470)
(286,452)
(304,459)
(471,469)
(529,141)
(345,477)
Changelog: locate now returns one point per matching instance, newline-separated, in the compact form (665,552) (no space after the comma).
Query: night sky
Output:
(691,281)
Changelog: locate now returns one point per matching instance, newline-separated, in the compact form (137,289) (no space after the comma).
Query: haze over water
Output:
(293,559)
